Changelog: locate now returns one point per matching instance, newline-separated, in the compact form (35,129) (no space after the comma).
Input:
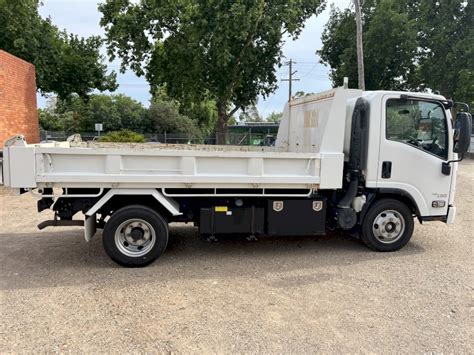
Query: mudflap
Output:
(451,215)
(90,226)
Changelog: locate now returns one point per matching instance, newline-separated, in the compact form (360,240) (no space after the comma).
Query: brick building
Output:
(18,110)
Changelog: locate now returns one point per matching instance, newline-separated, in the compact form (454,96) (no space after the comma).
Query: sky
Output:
(81,17)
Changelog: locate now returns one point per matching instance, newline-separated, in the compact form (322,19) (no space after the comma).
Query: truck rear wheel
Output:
(135,236)
(387,226)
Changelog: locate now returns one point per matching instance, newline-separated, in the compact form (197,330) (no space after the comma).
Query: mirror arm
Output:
(446,166)
(456,161)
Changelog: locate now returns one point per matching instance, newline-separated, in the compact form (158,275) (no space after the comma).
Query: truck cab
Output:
(416,143)
(408,149)
(400,153)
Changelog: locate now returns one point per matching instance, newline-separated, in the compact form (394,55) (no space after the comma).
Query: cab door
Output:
(415,140)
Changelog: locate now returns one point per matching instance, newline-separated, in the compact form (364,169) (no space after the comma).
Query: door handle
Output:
(386,169)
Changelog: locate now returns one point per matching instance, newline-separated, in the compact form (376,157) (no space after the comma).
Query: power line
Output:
(134,84)
(309,72)
(299,62)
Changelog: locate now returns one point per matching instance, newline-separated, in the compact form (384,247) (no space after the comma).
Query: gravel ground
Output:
(329,294)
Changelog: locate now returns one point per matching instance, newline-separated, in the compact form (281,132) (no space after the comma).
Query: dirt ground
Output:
(320,294)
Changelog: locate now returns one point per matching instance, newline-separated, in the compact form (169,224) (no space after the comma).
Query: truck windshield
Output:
(421,124)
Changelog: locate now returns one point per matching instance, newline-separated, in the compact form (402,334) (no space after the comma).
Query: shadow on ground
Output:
(49,259)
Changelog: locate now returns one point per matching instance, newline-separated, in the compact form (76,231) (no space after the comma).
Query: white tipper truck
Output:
(364,162)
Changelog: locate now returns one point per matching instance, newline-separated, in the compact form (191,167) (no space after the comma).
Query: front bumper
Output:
(448,218)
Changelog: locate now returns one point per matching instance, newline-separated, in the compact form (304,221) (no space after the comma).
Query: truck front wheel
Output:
(387,226)
(135,236)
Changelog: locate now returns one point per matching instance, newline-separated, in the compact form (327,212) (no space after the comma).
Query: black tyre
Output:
(135,236)
(387,226)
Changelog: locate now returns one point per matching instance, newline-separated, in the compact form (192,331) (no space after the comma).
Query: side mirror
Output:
(462,132)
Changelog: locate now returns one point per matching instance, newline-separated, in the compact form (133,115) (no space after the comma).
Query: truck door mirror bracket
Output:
(446,166)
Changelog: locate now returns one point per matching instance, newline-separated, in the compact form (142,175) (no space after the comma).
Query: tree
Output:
(203,113)
(65,64)
(390,45)
(219,50)
(338,49)
(408,44)
(51,121)
(250,114)
(274,117)
(115,112)
(165,117)
(446,42)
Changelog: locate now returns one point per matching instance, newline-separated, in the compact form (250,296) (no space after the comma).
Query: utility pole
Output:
(360,49)
(290,78)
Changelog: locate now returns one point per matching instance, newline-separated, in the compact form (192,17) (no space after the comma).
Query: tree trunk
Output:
(222,130)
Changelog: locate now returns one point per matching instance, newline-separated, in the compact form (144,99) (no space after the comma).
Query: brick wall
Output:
(18,110)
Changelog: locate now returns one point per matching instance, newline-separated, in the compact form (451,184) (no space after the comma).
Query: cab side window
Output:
(421,124)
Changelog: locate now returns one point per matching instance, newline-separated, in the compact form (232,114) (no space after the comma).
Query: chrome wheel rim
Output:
(135,237)
(388,226)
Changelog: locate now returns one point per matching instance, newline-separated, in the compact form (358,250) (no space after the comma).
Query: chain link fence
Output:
(263,135)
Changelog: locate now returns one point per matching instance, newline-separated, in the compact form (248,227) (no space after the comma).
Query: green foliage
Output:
(250,114)
(123,136)
(165,117)
(65,64)
(274,117)
(446,40)
(408,45)
(203,113)
(115,112)
(389,45)
(51,121)
(218,50)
